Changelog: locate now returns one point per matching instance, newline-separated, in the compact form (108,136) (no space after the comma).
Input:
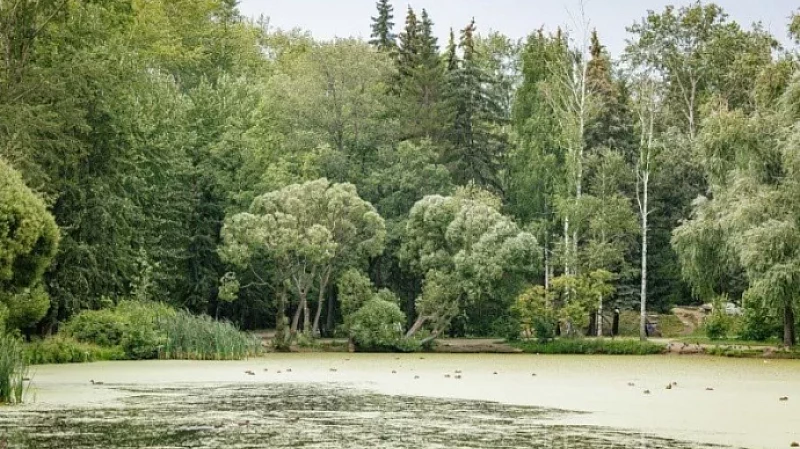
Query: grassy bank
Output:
(140,331)
(590,346)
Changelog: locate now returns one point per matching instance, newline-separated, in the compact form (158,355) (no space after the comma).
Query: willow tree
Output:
(467,250)
(751,222)
(310,230)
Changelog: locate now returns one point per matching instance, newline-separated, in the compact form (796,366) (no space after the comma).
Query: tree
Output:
(28,243)
(467,251)
(310,230)
(699,54)
(382,36)
(476,143)
(750,222)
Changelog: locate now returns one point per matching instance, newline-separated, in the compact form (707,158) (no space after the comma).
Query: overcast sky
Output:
(516,18)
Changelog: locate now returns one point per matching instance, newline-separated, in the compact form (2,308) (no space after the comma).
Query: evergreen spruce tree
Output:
(612,124)
(421,84)
(477,146)
(383,38)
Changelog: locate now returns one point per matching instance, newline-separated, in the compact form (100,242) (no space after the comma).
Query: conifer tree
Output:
(421,86)
(476,144)
(383,38)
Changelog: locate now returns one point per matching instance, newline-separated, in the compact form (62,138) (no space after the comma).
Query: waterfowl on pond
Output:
(458,371)
(249,373)
(646,391)
(631,384)
(669,386)
(794,444)
(709,389)
(96,383)
(394,372)
(458,376)
(494,372)
(783,398)
(416,377)
(288,370)
(447,376)
(333,370)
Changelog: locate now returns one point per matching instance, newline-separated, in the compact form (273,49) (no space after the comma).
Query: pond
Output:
(411,401)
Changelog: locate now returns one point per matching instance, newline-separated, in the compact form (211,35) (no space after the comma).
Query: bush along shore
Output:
(139,331)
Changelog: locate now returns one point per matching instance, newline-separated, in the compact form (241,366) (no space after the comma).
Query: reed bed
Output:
(200,337)
(13,369)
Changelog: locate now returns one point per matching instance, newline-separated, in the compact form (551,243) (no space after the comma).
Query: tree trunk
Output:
(643,294)
(323,286)
(329,315)
(789,334)
(600,317)
(306,317)
(280,318)
(417,326)
(297,312)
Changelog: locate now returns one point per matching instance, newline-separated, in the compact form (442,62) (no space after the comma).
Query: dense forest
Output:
(176,151)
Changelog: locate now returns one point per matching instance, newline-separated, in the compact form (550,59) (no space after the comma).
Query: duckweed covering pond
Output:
(302,415)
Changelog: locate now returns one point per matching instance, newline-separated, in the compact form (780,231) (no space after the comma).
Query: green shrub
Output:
(149,330)
(591,346)
(718,325)
(100,327)
(757,324)
(62,349)
(13,368)
(378,326)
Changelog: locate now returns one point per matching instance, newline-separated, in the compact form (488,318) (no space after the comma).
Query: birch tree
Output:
(646,98)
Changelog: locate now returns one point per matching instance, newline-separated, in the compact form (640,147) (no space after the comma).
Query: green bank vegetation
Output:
(390,191)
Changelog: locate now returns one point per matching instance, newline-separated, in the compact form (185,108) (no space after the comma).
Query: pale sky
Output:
(326,19)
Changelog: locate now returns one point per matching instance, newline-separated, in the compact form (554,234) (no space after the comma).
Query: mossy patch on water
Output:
(302,415)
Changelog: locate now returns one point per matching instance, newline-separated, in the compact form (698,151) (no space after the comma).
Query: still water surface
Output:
(357,401)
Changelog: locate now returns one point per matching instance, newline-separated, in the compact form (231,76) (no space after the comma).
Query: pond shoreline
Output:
(715,401)
(592,346)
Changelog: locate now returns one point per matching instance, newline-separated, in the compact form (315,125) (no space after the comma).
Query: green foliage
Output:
(758,324)
(28,242)
(61,349)
(13,369)
(378,325)
(100,327)
(718,325)
(153,330)
(190,337)
(591,346)
(27,307)
(538,317)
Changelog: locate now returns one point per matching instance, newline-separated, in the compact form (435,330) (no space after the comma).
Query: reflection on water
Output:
(303,415)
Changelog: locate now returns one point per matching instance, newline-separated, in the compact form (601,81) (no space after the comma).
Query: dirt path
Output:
(691,317)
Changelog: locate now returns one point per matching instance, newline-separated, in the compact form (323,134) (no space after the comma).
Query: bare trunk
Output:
(643,293)
(600,317)
(323,286)
(296,318)
(306,317)
(417,326)
(566,245)
(317,314)
(546,267)
(789,334)
(280,318)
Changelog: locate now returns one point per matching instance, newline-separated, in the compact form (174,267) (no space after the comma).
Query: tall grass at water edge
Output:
(13,369)
(193,337)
